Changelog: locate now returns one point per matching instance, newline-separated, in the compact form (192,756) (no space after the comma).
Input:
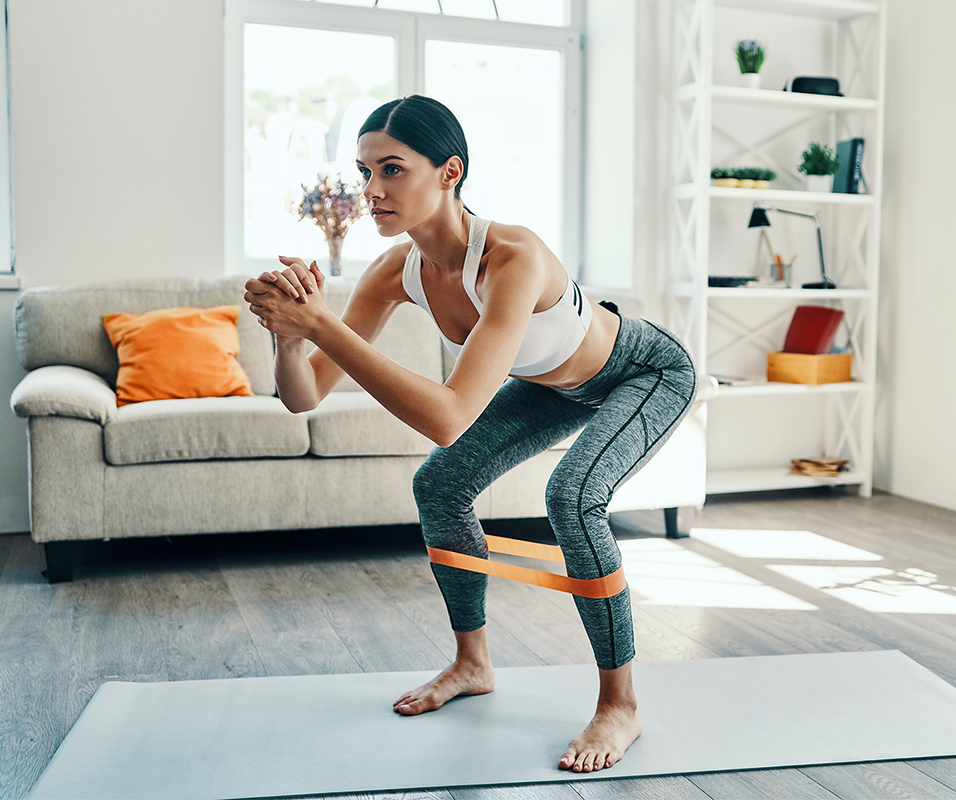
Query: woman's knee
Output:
(570,494)
(437,486)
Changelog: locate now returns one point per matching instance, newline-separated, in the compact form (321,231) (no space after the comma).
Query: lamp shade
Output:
(759,219)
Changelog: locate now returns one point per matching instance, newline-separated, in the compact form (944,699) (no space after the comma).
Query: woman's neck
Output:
(443,239)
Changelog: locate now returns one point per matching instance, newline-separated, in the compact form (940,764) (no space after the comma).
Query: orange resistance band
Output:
(609,586)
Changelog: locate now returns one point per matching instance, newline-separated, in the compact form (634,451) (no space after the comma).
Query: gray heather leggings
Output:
(627,411)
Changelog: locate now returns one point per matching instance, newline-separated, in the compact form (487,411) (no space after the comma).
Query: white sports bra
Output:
(552,336)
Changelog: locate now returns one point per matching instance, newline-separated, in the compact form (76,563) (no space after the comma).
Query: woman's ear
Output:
(452,171)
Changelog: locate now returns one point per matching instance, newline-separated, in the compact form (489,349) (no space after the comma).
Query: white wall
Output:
(117,160)
(117,140)
(916,422)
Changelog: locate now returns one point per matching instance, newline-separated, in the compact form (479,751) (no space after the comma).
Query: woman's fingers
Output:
(317,276)
(302,280)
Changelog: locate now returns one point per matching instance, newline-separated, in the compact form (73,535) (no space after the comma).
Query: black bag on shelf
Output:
(814,85)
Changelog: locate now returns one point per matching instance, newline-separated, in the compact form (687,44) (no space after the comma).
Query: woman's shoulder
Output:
(513,235)
(384,275)
(392,259)
(504,242)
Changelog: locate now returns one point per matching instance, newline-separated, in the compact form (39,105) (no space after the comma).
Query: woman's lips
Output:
(379,213)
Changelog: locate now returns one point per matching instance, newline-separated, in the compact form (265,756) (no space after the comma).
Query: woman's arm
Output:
(443,412)
(303,379)
(512,285)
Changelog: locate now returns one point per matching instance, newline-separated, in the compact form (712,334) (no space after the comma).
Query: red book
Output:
(812,329)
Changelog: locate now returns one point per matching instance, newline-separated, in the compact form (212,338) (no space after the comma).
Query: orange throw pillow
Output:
(177,352)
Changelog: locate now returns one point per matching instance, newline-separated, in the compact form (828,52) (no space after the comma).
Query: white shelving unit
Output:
(729,330)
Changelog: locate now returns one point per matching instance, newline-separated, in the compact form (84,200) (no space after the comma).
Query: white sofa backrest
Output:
(63,325)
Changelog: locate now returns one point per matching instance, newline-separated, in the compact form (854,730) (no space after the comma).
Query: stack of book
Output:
(822,467)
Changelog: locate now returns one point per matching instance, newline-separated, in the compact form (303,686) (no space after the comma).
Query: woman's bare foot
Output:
(615,727)
(471,674)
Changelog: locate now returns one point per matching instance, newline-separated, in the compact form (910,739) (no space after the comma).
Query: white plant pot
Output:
(819,183)
(750,80)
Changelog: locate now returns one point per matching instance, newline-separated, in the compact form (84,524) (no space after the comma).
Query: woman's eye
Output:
(391,169)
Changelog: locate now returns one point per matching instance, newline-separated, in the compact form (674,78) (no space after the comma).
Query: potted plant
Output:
(750,55)
(763,178)
(743,177)
(724,177)
(819,163)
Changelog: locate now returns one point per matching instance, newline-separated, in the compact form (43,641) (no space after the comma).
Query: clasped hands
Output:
(281,298)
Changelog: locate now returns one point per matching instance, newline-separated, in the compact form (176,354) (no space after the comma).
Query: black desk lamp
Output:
(759,219)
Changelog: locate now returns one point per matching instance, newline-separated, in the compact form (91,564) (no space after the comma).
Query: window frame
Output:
(411,31)
(8,271)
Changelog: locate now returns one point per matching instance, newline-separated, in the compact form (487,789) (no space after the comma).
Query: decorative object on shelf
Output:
(750,56)
(807,355)
(724,177)
(743,177)
(848,177)
(781,273)
(810,369)
(728,281)
(820,467)
(819,163)
(759,219)
(812,329)
(814,85)
(333,205)
(738,380)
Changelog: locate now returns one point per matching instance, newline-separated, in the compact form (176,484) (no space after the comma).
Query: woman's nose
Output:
(371,188)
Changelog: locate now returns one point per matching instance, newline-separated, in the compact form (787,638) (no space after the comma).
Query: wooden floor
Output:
(364,600)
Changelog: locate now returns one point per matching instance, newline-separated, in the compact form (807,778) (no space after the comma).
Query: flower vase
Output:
(750,80)
(335,254)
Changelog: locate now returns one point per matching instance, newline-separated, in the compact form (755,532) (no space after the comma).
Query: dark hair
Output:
(426,126)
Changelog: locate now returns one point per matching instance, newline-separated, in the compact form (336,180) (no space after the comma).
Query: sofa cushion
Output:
(204,428)
(354,424)
(63,324)
(177,352)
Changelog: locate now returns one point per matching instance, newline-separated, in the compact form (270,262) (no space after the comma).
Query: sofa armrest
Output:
(707,387)
(64,392)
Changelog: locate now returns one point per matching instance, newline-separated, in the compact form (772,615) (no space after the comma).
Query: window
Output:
(302,76)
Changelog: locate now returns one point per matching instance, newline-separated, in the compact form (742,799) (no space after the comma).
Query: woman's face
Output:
(403,188)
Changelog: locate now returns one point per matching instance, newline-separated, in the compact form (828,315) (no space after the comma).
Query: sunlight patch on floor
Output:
(797,545)
(662,573)
(912,591)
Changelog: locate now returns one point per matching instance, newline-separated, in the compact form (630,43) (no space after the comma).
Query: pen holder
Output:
(782,272)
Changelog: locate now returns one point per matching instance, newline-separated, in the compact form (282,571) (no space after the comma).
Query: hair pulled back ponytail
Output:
(426,126)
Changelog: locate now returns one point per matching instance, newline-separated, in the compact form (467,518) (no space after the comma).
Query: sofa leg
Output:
(59,561)
(678,521)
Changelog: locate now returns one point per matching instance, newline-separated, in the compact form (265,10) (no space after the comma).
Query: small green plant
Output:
(743,174)
(750,55)
(818,159)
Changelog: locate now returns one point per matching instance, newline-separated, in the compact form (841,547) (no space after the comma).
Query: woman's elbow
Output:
(445,433)
(297,404)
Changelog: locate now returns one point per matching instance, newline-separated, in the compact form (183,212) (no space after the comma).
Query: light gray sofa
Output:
(233,464)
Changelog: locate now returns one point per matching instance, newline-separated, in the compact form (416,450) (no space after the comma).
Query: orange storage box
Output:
(805,368)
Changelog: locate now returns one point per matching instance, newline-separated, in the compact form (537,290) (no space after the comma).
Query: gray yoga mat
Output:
(273,737)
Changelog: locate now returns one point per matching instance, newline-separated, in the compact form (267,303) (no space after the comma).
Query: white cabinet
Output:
(754,430)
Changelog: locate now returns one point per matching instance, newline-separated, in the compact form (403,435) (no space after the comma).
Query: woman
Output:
(536,362)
